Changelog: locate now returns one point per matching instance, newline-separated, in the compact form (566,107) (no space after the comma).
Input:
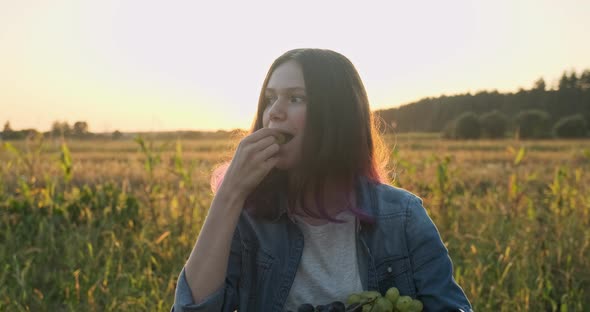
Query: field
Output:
(107,225)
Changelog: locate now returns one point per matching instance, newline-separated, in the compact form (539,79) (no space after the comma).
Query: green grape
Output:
(368,308)
(383,305)
(373,301)
(416,306)
(354,298)
(371,294)
(392,295)
(283,138)
(403,303)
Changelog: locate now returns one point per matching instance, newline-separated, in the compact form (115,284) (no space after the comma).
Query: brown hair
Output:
(341,142)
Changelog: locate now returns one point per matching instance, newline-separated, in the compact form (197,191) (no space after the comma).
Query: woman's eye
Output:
(297,99)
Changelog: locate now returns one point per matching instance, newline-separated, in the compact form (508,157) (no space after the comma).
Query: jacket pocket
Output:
(395,272)
(256,266)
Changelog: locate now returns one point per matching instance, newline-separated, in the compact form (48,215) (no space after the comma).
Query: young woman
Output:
(301,215)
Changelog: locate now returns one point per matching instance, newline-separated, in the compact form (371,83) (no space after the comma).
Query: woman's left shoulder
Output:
(392,200)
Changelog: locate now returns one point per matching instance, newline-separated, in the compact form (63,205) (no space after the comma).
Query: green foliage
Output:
(152,187)
(516,221)
(540,85)
(80,129)
(584,82)
(467,126)
(61,129)
(433,114)
(493,125)
(532,124)
(519,156)
(574,126)
(117,135)
(7,131)
(448,131)
(66,163)
(568,82)
(152,156)
(28,158)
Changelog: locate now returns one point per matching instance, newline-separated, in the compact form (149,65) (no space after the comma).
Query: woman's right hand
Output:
(206,267)
(253,160)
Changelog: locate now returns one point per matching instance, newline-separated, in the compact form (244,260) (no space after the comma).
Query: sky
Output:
(147,65)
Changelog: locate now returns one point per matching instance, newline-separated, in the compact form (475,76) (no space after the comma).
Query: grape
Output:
(355,307)
(383,305)
(392,295)
(369,301)
(281,138)
(354,298)
(306,307)
(371,294)
(416,306)
(367,308)
(403,303)
(336,306)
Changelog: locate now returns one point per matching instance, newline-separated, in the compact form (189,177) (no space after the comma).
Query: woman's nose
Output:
(277,110)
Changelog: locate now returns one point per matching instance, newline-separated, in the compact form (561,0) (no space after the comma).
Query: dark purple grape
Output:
(336,306)
(306,307)
(321,308)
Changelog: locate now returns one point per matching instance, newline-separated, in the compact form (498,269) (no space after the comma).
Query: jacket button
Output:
(389,269)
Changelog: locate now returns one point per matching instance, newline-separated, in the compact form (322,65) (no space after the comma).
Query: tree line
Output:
(58,129)
(80,130)
(563,111)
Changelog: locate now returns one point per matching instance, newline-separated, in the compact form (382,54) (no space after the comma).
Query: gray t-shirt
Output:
(328,270)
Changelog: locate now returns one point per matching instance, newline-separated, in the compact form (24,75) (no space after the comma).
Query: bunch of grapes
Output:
(369,301)
(335,306)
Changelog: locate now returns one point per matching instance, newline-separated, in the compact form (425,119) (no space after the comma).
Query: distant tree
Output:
(434,114)
(584,81)
(29,133)
(117,135)
(7,127)
(448,131)
(563,82)
(7,132)
(540,85)
(61,129)
(80,128)
(574,126)
(493,124)
(532,124)
(568,82)
(56,128)
(467,126)
(572,80)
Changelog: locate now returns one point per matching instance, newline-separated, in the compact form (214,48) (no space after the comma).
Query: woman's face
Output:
(286,106)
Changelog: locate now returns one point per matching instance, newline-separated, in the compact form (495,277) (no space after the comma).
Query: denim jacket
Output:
(402,249)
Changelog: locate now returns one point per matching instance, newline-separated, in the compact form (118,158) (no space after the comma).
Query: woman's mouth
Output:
(284,138)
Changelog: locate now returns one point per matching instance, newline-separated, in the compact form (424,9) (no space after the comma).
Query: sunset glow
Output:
(151,65)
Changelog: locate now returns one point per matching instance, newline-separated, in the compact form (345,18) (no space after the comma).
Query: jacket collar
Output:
(365,198)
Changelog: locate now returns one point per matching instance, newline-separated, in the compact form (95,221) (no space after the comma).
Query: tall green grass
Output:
(516,225)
